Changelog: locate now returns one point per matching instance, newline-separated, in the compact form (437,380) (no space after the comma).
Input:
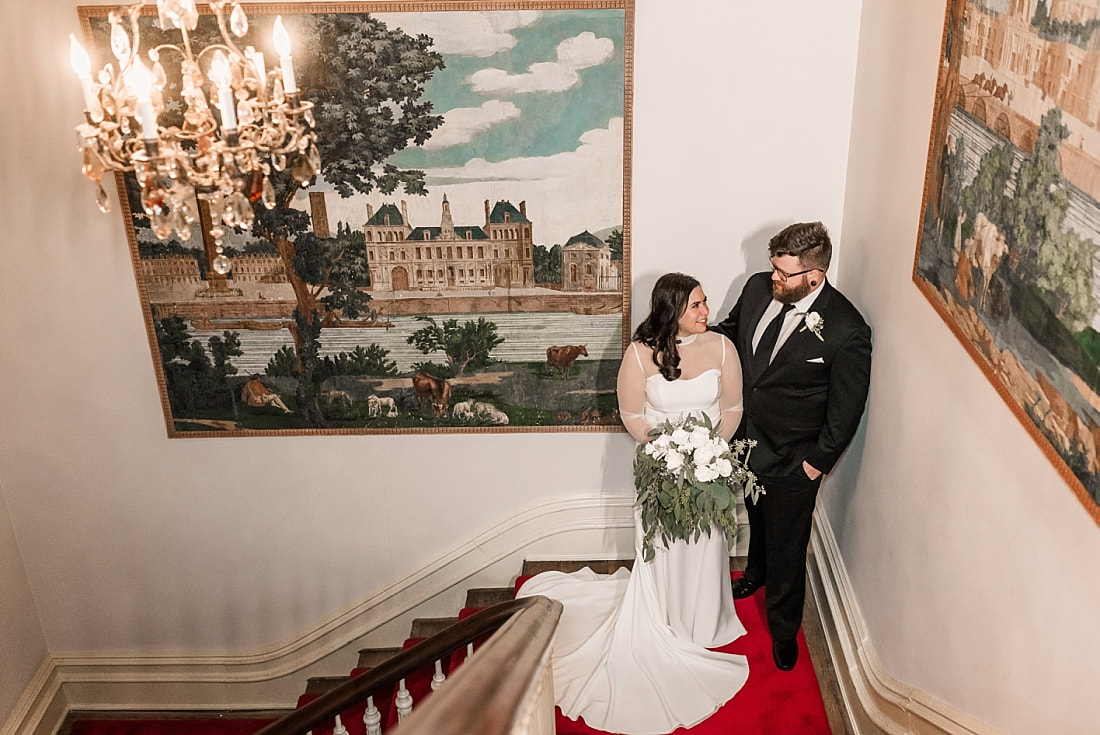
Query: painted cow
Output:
(431,389)
(563,358)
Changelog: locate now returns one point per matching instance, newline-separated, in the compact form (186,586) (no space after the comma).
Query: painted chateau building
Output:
(450,257)
(587,265)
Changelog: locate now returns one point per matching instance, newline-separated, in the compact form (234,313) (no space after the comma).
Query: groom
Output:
(806,363)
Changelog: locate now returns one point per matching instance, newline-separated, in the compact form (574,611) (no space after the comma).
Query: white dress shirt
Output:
(793,318)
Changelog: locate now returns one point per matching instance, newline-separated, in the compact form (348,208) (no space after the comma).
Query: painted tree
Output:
(986,192)
(467,345)
(366,82)
(1033,221)
(547,263)
(615,242)
(192,380)
(1056,259)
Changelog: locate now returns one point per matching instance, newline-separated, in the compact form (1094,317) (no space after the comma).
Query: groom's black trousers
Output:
(779,534)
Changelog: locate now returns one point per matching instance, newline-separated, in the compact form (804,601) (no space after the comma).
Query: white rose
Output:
(724,466)
(674,460)
(705,474)
(662,441)
(680,437)
(700,437)
(702,456)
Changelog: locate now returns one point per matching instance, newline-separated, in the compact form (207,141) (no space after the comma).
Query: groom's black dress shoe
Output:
(744,587)
(785,653)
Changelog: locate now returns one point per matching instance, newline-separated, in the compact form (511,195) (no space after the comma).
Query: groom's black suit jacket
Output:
(807,403)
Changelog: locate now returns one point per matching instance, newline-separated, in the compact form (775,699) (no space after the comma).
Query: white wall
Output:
(741,119)
(134,542)
(22,642)
(22,645)
(973,562)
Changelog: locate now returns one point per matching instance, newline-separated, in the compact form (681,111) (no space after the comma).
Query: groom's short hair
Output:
(808,241)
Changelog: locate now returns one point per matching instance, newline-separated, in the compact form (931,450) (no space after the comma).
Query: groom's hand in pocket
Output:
(811,472)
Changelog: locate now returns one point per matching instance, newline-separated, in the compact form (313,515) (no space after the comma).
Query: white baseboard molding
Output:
(41,694)
(273,678)
(875,701)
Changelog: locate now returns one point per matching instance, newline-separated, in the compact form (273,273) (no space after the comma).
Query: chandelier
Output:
(262,123)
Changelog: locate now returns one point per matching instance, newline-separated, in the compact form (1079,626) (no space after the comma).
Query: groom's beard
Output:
(786,294)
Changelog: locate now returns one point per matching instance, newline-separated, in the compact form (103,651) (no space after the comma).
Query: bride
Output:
(630,654)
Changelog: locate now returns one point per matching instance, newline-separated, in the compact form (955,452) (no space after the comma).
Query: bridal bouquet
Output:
(686,475)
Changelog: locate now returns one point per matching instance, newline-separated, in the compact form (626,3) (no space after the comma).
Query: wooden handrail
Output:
(523,624)
(492,695)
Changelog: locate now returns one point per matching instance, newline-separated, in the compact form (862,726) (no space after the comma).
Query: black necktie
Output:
(763,354)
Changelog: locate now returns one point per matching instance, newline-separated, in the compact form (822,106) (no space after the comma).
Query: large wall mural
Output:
(1010,224)
(461,263)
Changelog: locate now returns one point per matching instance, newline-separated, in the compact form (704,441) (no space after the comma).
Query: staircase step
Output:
(599,566)
(322,684)
(488,596)
(371,657)
(427,627)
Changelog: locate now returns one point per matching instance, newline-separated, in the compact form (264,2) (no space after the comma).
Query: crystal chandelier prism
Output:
(226,160)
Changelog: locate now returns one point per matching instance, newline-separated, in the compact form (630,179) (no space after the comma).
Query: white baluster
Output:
(439,677)
(372,718)
(404,701)
(339,728)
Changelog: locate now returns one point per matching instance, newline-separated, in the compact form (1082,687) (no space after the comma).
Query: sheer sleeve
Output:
(631,392)
(730,400)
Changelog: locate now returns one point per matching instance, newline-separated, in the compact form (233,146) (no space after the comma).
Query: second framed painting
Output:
(460,262)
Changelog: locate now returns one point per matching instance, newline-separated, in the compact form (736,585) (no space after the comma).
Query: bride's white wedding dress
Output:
(630,654)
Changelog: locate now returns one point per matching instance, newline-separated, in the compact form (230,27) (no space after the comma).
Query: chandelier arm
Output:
(184,53)
(217,47)
(186,42)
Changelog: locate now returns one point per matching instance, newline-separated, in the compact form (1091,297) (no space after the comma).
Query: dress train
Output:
(630,654)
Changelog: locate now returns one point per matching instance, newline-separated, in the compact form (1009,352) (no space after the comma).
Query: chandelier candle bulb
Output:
(219,74)
(141,82)
(260,65)
(286,63)
(82,65)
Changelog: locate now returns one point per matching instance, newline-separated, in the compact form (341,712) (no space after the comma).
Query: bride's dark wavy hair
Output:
(658,330)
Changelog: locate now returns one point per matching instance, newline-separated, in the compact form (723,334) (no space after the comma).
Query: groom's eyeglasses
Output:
(784,275)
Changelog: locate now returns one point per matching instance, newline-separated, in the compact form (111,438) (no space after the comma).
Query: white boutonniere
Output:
(813,322)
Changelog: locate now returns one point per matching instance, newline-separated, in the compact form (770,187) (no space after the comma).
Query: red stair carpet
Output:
(772,702)
(218,726)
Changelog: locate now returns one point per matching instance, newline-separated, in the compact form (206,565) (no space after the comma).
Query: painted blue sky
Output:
(533,111)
